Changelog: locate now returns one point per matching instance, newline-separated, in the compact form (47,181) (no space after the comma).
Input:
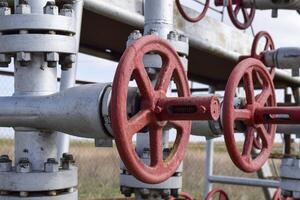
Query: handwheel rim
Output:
(213,193)
(245,163)
(192,19)
(233,11)
(162,170)
(270,45)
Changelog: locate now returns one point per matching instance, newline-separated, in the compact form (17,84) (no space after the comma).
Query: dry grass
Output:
(99,171)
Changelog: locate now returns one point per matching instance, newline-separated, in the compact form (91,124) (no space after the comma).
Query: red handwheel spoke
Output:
(139,121)
(246,14)
(249,87)
(264,135)
(248,144)
(263,97)
(165,76)
(156,146)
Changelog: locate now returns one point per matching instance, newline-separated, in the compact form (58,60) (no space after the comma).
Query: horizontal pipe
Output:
(270,4)
(277,115)
(75,111)
(283,58)
(244,181)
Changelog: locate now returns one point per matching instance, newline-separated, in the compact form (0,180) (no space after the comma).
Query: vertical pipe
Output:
(208,166)
(159,16)
(35,79)
(68,78)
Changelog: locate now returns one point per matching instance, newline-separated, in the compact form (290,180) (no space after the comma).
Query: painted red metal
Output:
(188,108)
(213,194)
(183,195)
(192,19)
(234,7)
(245,71)
(269,45)
(124,128)
(277,115)
(277,196)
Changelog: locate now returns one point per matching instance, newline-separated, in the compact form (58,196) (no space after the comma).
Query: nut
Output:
(24,166)
(23,7)
(52,59)
(136,34)
(24,58)
(5,163)
(4,9)
(67,10)
(126,191)
(51,8)
(51,165)
(173,35)
(145,193)
(152,32)
(67,61)
(183,38)
(67,161)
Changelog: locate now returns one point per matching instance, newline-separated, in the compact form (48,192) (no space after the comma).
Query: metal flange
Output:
(37,22)
(65,196)
(39,181)
(37,43)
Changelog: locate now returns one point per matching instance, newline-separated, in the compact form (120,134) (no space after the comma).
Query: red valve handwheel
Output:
(234,7)
(131,65)
(245,71)
(192,19)
(213,194)
(269,45)
(278,196)
(183,195)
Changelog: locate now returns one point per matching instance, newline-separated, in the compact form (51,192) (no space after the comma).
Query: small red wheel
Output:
(124,128)
(278,196)
(192,19)
(234,7)
(212,195)
(269,45)
(245,71)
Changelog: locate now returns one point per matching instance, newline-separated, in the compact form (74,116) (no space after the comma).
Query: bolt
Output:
(3,3)
(51,165)
(71,190)
(136,34)
(23,2)
(152,32)
(51,8)
(24,166)
(4,193)
(52,59)
(67,10)
(67,61)
(183,38)
(5,60)
(4,9)
(165,193)
(173,35)
(5,163)
(126,191)
(24,58)
(67,160)
(145,193)
(52,193)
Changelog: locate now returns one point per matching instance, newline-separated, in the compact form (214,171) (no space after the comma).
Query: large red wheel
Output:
(234,8)
(245,71)
(269,45)
(192,19)
(124,128)
(214,193)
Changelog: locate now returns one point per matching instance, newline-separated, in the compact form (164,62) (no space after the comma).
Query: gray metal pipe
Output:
(75,111)
(283,58)
(244,181)
(270,4)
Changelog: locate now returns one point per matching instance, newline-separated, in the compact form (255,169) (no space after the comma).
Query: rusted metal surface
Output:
(131,66)
(245,71)
(215,193)
(189,18)
(189,108)
(234,8)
